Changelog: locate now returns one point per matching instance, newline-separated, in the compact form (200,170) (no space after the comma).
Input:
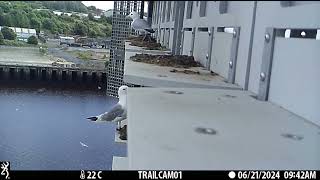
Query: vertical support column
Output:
(27,73)
(59,74)
(210,33)
(182,39)
(38,73)
(49,74)
(178,26)
(150,12)
(16,73)
(234,54)
(5,73)
(168,38)
(142,10)
(192,40)
(246,83)
(69,75)
(266,64)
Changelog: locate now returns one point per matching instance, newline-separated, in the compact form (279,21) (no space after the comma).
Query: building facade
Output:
(247,44)
(23,33)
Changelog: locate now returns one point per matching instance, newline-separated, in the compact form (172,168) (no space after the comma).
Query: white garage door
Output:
(220,57)
(187,42)
(294,80)
(201,43)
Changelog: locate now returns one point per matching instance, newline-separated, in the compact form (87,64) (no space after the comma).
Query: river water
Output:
(43,127)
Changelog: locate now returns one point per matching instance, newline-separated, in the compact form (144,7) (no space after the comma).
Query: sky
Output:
(105,5)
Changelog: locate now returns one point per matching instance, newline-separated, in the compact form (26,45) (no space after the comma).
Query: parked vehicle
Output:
(66,40)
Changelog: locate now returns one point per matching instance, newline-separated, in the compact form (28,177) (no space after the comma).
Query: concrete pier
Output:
(44,73)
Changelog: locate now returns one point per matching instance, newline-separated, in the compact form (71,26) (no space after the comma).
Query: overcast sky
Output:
(105,5)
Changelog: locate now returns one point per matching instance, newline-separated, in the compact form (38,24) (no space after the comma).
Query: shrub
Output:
(32,40)
(15,43)
(85,55)
(8,33)
(43,50)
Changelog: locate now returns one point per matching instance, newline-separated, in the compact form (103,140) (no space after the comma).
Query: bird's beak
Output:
(93,118)
(128,17)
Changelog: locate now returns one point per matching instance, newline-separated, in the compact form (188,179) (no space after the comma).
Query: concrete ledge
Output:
(129,48)
(119,163)
(250,134)
(160,76)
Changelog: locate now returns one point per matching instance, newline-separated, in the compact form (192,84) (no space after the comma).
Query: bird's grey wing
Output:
(140,24)
(116,111)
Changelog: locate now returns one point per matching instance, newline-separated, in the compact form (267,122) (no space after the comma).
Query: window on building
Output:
(189,9)
(169,11)
(203,8)
(164,11)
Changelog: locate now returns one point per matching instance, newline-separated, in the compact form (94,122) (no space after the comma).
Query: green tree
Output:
(2,19)
(80,29)
(19,18)
(35,23)
(1,38)
(33,40)
(109,20)
(6,20)
(91,17)
(49,25)
(8,33)
(92,33)
(92,8)
(5,6)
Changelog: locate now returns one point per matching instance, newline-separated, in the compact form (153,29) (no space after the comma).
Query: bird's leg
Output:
(118,126)
(144,37)
(149,37)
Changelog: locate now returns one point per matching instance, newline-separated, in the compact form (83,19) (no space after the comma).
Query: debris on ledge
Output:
(178,61)
(185,71)
(149,45)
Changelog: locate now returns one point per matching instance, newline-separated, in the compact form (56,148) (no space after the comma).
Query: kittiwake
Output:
(140,25)
(118,112)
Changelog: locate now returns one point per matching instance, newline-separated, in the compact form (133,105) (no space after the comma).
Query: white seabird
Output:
(118,112)
(84,145)
(140,25)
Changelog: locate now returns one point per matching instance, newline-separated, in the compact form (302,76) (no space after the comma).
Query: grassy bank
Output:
(16,43)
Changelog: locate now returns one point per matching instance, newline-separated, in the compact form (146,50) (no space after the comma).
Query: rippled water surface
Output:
(41,129)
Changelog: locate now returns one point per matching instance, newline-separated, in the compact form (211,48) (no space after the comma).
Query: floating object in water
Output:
(84,145)
(41,90)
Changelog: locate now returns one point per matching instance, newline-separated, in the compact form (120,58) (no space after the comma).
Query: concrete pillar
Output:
(150,11)
(27,73)
(142,10)
(5,73)
(178,26)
